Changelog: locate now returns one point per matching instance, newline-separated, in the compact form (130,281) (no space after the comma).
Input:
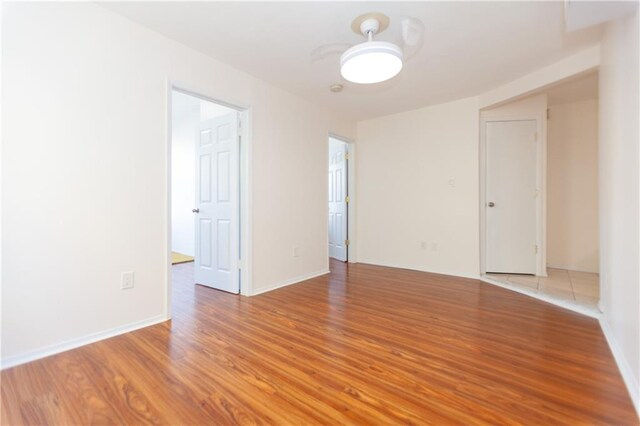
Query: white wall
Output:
(185,122)
(572,186)
(619,197)
(85,185)
(417,177)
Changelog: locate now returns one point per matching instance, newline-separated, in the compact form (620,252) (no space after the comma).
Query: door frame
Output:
(351,193)
(541,183)
(245,186)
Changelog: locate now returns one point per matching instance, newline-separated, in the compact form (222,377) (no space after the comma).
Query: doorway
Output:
(511,196)
(566,195)
(338,198)
(205,177)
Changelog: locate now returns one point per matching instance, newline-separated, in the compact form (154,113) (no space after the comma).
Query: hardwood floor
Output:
(364,345)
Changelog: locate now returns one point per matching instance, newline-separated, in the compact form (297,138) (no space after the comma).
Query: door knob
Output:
(195,210)
(491,204)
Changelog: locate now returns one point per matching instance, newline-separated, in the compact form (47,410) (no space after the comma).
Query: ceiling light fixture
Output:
(371,61)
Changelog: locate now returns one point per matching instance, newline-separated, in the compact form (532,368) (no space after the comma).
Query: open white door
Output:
(216,212)
(337,200)
(511,196)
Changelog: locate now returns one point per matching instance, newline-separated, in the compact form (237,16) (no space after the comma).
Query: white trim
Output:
(291,281)
(565,304)
(246,195)
(1,182)
(419,268)
(541,183)
(167,202)
(81,341)
(353,203)
(190,90)
(625,369)
(245,187)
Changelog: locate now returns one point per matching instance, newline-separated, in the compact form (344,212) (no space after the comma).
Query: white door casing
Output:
(217,204)
(511,192)
(338,199)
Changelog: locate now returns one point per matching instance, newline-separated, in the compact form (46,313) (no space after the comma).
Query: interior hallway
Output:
(365,344)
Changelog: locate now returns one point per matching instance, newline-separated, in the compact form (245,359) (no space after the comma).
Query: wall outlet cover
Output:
(127,280)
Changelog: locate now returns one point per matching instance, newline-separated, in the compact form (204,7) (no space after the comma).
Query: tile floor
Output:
(574,287)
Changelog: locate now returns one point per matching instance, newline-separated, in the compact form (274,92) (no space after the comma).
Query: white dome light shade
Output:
(371,62)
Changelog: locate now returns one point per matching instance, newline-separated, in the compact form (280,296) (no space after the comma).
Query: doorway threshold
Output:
(574,306)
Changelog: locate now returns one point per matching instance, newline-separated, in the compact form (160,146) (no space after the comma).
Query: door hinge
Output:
(347,199)
(548,113)
(239,264)
(535,248)
(346,242)
(535,137)
(346,156)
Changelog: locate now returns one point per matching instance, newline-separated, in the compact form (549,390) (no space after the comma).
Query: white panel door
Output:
(511,196)
(337,200)
(217,203)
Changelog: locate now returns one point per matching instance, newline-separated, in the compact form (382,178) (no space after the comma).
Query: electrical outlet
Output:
(423,245)
(127,280)
(295,251)
(452,183)
(434,246)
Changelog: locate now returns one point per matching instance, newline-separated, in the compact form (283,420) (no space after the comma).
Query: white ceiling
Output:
(467,48)
(582,14)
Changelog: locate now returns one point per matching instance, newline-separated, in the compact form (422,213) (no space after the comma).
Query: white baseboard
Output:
(625,369)
(291,281)
(420,268)
(76,343)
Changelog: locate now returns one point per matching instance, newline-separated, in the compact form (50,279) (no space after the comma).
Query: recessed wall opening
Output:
(539,194)
(206,142)
(341,197)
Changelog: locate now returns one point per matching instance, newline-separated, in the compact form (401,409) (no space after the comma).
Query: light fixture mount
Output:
(383,22)
(371,61)
(369,27)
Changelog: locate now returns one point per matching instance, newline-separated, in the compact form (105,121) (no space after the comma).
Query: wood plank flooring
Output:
(363,345)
